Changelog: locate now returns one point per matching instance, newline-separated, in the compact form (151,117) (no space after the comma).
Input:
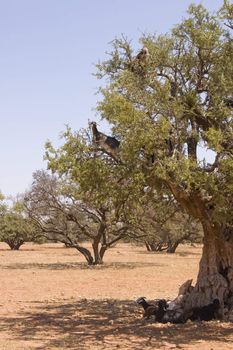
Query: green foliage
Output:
(15,227)
(86,198)
(226,13)
(97,182)
(179,95)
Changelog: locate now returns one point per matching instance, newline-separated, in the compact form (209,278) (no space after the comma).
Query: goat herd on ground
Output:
(164,311)
(176,311)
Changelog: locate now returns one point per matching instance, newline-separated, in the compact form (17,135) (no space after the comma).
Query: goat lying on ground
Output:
(157,309)
(206,312)
(171,312)
(161,310)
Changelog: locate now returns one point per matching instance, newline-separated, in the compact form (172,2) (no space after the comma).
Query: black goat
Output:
(206,312)
(141,301)
(108,144)
(161,310)
(157,310)
(149,309)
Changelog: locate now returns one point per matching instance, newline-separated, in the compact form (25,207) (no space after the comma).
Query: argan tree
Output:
(168,111)
(16,228)
(164,225)
(84,199)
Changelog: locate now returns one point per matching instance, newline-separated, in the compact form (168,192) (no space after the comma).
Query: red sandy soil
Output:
(50,299)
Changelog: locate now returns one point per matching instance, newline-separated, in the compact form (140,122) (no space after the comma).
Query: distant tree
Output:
(15,227)
(163,224)
(178,102)
(168,236)
(84,199)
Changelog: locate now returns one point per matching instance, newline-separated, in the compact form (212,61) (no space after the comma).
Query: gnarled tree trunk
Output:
(100,237)
(173,246)
(14,244)
(98,259)
(85,252)
(215,276)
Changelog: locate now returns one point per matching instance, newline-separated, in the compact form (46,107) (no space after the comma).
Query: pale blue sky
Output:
(48,49)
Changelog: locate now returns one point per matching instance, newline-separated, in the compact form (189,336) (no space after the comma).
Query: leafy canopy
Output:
(182,95)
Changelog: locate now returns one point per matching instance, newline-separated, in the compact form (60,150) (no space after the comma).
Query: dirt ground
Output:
(51,300)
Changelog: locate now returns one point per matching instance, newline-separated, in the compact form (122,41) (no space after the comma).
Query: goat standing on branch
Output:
(108,144)
(139,62)
(143,55)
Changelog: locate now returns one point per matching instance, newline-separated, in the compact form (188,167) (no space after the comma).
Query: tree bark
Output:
(97,258)
(173,246)
(86,253)
(215,276)
(148,247)
(101,236)
(98,252)
(102,252)
(14,245)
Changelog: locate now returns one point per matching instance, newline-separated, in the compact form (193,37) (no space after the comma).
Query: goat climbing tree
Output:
(86,198)
(173,115)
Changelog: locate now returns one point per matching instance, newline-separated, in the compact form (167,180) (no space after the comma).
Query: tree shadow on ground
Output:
(106,324)
(177,253)
(20,250)
(188,254)
(80,265)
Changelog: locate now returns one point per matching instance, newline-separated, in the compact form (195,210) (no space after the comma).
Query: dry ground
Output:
(51,300)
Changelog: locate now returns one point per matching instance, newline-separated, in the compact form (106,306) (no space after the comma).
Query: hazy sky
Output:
(48,51)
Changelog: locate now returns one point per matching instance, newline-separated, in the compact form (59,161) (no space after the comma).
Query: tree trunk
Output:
(172,247)
(102,251)
(148,247)
(86,253)
(158,247)
(14,245)
(215,277)
(98,258)
(101,236)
